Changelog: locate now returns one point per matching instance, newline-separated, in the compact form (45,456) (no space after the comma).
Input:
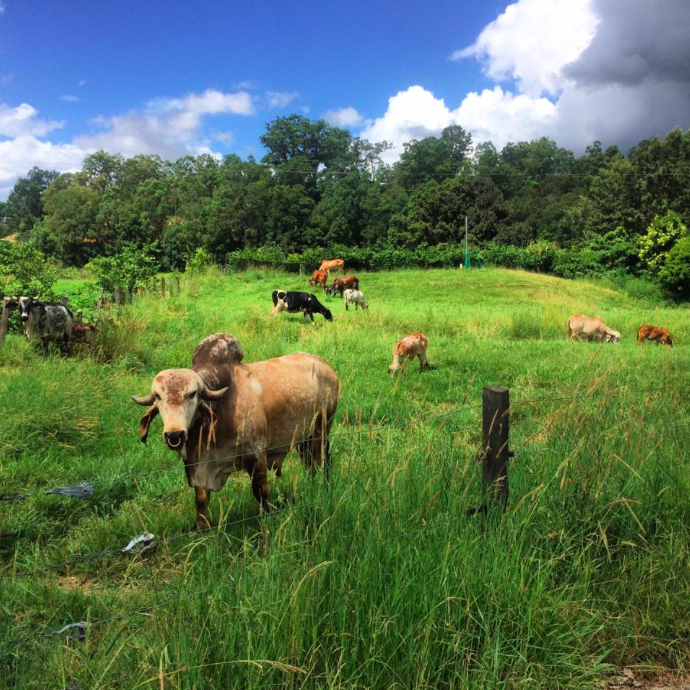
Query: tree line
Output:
(320,186)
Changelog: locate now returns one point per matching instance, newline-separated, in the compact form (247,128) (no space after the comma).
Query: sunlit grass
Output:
(379,579)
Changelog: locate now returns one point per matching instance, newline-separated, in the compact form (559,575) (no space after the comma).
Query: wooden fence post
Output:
(99,304)
(495,451)
(177,284)
(163,287)
(116,295)
(64,300)
(128,296)
(5,317)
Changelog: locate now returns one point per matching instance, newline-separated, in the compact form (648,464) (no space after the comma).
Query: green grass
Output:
(379,579)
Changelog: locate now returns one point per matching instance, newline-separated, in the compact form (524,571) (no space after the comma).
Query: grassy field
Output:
(378,579)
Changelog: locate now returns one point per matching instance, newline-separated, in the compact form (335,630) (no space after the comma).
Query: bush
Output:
(675,274)
(661,237)
(200,260)
(130,269)
(24,271)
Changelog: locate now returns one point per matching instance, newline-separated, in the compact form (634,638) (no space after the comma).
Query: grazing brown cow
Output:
(83,333)
(407,349)
(319,278)
(654,334)
(591,328)
(335,265)
(342,284)
(223,416)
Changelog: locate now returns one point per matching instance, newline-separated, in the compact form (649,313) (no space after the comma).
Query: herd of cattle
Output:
(223,416)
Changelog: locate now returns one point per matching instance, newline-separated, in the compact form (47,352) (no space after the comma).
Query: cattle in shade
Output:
(223,416)
(294,302)
(407,349)
(581,327)
(84,333)
(339,285)
(333,265)
(654,334)
(46,321)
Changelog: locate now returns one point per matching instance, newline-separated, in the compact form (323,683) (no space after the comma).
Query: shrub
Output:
(24,271)
(675,274)
(199,261)
(130,269)
(661,236)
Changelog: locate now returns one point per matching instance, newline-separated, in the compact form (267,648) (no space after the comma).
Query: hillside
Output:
(379,578)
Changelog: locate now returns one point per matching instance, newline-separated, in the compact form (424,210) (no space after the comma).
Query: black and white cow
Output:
(294,302)
(49,321)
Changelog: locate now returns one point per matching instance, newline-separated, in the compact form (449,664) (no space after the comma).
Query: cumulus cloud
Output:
(170,127)
(23,120)
(532,41)
(573,70)
(344,117)
(22,153)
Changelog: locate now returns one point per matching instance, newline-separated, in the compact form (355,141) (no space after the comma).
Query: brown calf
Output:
(660,336)
(342,284)
(407,349)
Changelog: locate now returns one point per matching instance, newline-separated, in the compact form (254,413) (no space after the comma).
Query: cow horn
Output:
(206,394)
(143,400)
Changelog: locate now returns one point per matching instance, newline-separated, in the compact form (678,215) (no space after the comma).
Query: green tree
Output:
(674,275)
(662,235)
(130,269)
(24,271)
(24,205)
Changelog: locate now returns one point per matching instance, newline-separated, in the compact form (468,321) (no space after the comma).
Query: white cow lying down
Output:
(357,298)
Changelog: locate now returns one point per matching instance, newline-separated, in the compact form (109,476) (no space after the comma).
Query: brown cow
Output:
(342,284)
(83,333)
(591,328)
(407,349)
(335,265)
(223,416)
(654,334)
(320,278)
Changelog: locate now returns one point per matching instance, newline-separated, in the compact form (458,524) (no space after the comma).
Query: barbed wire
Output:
(81,627)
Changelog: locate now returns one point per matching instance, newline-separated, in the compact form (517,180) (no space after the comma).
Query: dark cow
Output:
(294,302)
(49,321)
(224,416)
(84,333)
(341,284)
(654,334)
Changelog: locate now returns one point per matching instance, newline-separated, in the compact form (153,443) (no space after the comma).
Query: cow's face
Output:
(328,314)
(613,337)
(25,304)
(178,395)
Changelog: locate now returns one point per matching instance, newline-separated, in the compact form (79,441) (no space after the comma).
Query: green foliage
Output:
(199,261)
(661,236)
(24,205)
(24,271)
(130,269)
(674,275)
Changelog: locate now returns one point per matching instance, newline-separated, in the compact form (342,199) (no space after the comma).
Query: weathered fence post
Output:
(177,284)
(116,295)
(99,304)
(128,296)
(163,287)
(64,300)
(5,317)
(495,451)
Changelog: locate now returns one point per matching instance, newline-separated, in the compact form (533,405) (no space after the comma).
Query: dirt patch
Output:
(627,678)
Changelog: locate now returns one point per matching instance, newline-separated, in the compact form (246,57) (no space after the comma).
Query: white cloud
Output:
(578,70)
(82,82)
(22,120)
(226,138)
(532,41)
(494,114)
(20,154)
(69,98)
(2,8)
(170,127)
(279,99)
(344,117)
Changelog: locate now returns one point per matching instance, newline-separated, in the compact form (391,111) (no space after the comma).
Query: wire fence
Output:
(147,542)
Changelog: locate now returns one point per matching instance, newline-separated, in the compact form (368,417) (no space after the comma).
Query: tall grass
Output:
(377,579)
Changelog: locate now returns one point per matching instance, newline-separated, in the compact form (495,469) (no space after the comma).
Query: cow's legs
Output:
(259,475)
(422,361)
(203,496)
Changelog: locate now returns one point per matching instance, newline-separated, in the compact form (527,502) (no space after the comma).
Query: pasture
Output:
(377,579)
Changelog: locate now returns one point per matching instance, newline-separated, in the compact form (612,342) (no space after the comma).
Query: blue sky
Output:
(185,77)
